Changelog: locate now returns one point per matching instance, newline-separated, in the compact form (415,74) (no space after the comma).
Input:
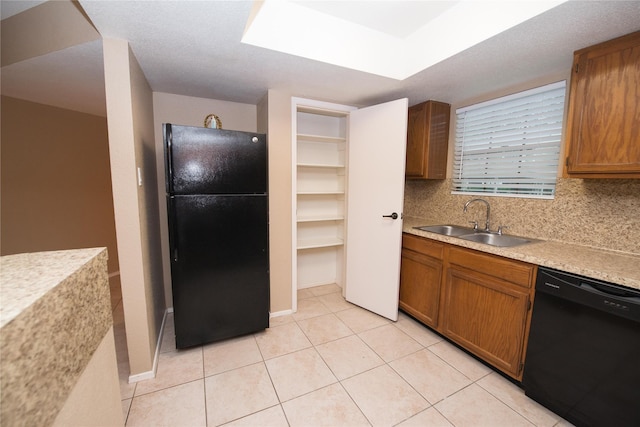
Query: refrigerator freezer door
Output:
(219,266)
(214,161)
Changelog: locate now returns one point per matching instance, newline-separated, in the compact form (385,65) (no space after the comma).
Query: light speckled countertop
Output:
(55,310)
(610,266)
(25,278)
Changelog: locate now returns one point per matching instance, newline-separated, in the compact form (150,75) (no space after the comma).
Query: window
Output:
(510,146)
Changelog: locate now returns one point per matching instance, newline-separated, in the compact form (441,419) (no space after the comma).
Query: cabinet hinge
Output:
(528,305)
(577,68)
(566,161)
(521,367)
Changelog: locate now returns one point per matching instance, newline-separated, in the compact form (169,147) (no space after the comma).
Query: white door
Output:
(377,145)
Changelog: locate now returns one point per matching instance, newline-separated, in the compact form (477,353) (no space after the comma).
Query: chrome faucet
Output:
(486,224)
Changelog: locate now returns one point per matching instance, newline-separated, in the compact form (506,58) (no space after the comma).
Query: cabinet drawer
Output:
(517,272)
(424,246)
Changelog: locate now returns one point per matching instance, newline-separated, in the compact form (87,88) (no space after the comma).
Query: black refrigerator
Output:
(217,202)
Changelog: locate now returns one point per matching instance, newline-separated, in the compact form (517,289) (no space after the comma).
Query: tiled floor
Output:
(329,364)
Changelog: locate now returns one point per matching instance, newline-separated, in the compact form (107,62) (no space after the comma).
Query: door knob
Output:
(392,216)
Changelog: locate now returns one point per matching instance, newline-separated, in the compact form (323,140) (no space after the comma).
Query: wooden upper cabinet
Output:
(427,140)
(603,126)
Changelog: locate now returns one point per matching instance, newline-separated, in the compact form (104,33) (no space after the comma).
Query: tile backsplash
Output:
(602,213)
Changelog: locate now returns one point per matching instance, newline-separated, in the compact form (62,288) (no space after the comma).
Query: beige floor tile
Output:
(417,331)
(126,390)
(348,356)
(474,406)
(174,367)
(563,423)
(238,393)
(330,406)
(384,397)
(470,367)
(513,396)
(270,417)
(359,319)
(168,335)
(429,417)
(126,405)
(230,354)
(429,375)
(335,302)
(298,373)
(311,307)
(324,328)
(279,340)
(325,289)
(305,293)
(280,320)
(120,338)
(182,405)
(389,342)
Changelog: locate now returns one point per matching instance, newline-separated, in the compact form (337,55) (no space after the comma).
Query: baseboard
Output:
(152,373)
(280,313)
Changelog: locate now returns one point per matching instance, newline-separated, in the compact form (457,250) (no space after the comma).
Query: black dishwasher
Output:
(583,356)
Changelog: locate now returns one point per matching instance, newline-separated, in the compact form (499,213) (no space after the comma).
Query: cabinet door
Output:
(416,126)
(375,185)
(603,126)
(427,140)
(420,278)
(487,316)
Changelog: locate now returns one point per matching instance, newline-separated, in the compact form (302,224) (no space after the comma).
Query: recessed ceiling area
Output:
(389,39)
(194,48)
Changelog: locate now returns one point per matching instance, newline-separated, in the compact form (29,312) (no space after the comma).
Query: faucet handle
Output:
(475,225)
(502,227)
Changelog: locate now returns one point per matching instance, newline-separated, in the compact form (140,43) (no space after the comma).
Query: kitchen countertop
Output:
(616,267)
(55,310)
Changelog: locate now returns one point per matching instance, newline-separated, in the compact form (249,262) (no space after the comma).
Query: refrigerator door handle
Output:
(168,137)
(173,235)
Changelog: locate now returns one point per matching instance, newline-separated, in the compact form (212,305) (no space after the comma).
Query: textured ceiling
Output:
(193,48)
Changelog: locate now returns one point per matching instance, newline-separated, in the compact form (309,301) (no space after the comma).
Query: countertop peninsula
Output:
(55,311)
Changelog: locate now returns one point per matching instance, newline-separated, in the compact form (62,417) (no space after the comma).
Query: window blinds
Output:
(510,145)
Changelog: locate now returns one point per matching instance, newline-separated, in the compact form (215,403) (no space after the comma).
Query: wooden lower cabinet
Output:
(420,279)
(480,301)
(487,316)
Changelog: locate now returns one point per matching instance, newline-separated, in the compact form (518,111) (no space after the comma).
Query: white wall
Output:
(190,111)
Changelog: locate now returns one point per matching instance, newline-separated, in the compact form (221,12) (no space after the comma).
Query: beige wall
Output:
(594,212)
(189,111)
(48,27)
(95,399)
(131,145)
(275,113)
(56,180)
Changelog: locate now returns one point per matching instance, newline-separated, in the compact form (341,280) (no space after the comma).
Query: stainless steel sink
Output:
(467,233)
(492,239)
(447,230)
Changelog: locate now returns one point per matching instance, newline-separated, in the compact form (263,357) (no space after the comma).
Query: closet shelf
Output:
(318,218)
(318,193)
(319,243)
(319,138)
(319,165)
